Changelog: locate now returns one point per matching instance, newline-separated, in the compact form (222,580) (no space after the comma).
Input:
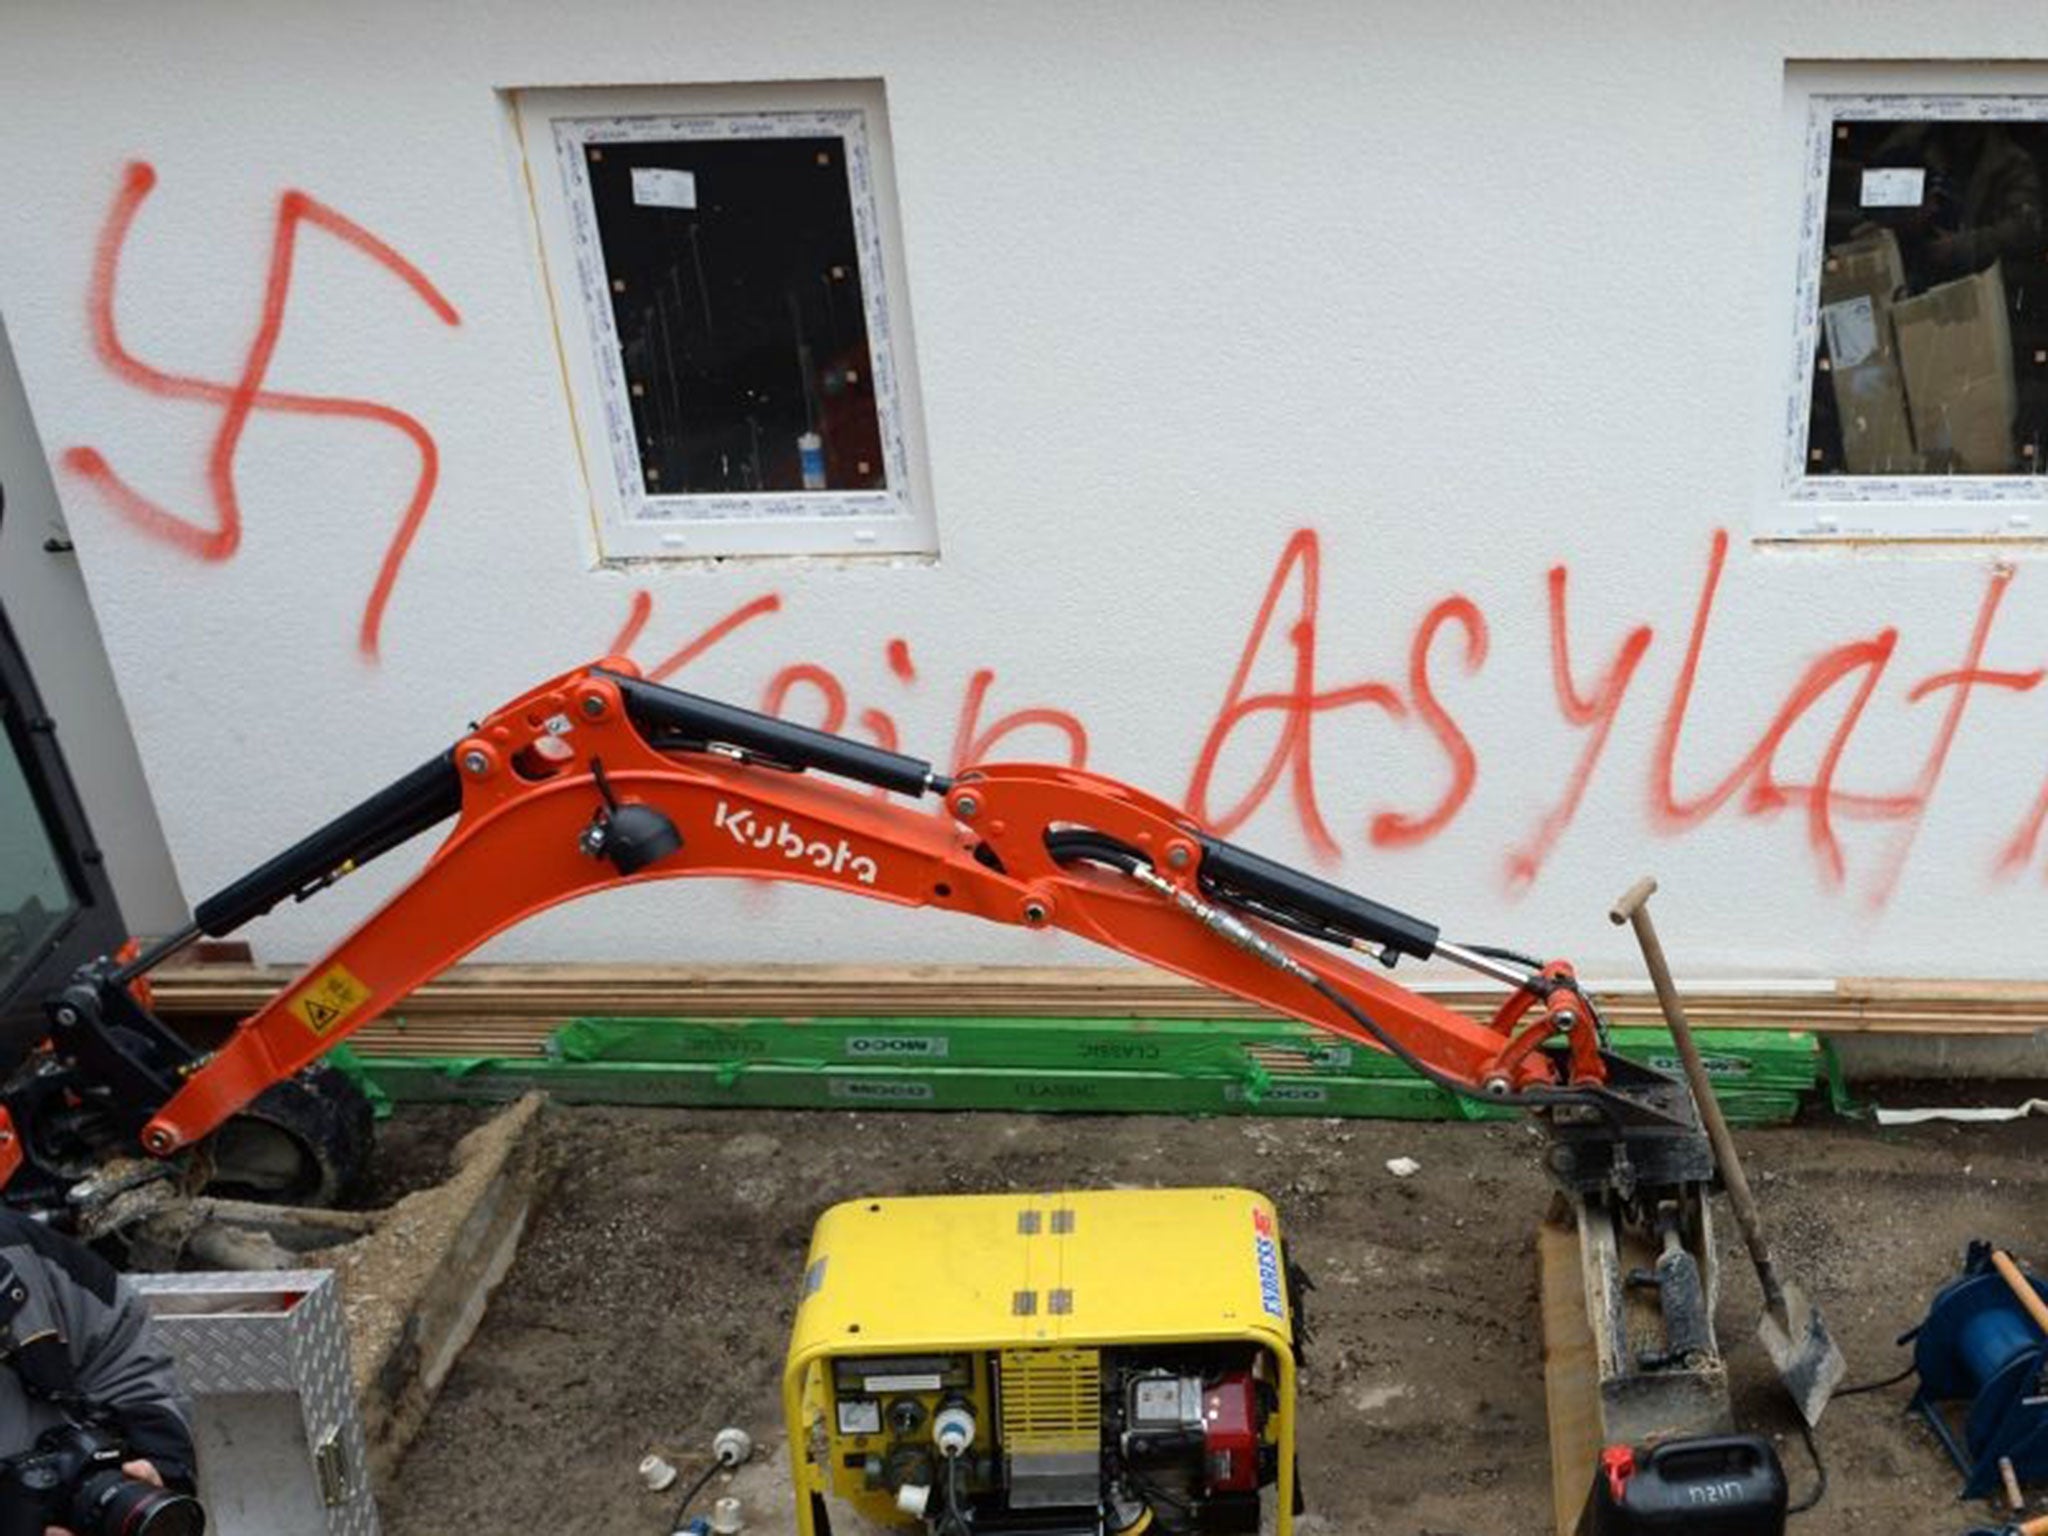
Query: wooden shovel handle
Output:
(2037,1309)
(1634,909)
(1632,900)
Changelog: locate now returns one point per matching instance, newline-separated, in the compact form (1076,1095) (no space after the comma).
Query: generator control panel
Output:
(884,1413)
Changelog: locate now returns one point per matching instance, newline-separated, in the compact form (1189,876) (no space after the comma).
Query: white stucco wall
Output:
(1469,291)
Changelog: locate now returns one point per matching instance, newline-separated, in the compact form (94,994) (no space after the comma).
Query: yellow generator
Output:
(1077,1364)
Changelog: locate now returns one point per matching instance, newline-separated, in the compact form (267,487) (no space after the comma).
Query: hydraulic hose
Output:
(1099,848)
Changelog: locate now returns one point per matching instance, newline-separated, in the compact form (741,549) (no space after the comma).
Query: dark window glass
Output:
(1933,339)
(35,898)
(736,285)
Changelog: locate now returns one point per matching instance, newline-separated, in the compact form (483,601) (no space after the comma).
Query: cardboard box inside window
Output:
(1857,287)
(1955,349)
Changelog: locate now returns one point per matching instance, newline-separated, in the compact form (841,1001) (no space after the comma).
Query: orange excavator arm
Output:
(599,778)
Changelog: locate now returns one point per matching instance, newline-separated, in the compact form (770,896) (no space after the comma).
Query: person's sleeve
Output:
(122,1371)
(126,1370)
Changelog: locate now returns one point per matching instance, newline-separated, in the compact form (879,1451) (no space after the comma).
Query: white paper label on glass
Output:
(656,187)
(1891,187)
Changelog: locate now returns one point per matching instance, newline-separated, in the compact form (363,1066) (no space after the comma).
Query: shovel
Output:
(1808,1360)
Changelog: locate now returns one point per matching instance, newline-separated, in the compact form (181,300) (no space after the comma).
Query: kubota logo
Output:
(835,859)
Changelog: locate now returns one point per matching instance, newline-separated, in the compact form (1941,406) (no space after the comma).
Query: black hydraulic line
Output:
(1512,956)
(1100,848)
(427,796)
(155,955)
(1527,1098)
(1277,885)
(1305,905)
(1294,922)
(1069,844)
(658,710)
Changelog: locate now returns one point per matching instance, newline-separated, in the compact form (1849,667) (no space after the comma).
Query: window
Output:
(35,897)
(727,282)
(1919,404)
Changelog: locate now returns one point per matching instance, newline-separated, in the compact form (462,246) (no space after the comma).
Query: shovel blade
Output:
(1806,1355)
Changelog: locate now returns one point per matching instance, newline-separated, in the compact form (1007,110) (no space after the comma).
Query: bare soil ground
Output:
(651,1302)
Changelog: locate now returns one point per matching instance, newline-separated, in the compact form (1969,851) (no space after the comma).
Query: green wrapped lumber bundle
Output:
(1099,1066)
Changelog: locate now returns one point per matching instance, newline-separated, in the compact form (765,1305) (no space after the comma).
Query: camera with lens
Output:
(73,1478)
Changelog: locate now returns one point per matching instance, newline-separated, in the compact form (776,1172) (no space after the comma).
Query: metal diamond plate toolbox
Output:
(265,1359)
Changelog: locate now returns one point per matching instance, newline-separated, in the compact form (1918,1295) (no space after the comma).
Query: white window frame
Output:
(1860,508)
(556,128)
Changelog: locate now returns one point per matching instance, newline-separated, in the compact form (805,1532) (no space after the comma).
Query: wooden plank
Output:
(494,996)
(1571,1372)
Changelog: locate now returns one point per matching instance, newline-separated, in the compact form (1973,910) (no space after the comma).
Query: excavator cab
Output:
(57,906)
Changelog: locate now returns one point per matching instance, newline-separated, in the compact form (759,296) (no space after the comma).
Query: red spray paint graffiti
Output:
(973,741)
(1297,707)
(242,397)
(690,650)
(638,613)
(2019,849)
(1766,794)
(1391,829)
(809,674)
(1593,713)
(1288,612)
(1960,683)
(1865,660)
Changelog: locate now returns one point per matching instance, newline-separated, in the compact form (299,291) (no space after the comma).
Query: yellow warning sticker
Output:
(324,1004)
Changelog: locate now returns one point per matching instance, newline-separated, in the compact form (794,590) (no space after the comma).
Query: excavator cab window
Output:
(36,901)
(57,907)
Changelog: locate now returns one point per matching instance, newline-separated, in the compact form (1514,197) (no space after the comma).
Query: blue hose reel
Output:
(1980,1347)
